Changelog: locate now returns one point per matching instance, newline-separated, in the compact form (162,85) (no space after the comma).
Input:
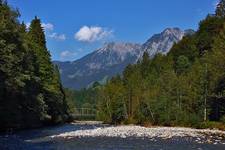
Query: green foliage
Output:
(176,89)
(145,64)
(223,119)
(119,112)
(220,11)
(186,47)
(31,93)
(209,29)
(86,96)
(36,33)
(144,113)
(70,99)
(210,125)
(182,64)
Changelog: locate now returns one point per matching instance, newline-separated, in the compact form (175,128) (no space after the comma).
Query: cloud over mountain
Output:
(92,34)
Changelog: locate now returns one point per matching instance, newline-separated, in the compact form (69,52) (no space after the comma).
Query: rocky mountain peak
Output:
(163,42)
(113,57)
(119,47)
(172,31)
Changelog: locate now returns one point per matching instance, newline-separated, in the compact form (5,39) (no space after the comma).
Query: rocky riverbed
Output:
(97,136)
(200,136)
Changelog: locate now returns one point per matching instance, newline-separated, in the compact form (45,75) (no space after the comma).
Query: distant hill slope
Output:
(113,57)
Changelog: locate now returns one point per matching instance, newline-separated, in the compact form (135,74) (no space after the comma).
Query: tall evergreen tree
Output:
(53,93)
(220,10)
(182,64)
(36,33)
(145,64)
(11,77)
(31,93)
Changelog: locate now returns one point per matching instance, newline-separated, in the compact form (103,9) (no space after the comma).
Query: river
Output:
(39,139)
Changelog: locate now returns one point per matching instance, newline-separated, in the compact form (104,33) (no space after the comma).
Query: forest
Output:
(186,87)
(31,93)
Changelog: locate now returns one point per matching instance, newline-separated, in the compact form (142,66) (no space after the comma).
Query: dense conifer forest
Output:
(31,94)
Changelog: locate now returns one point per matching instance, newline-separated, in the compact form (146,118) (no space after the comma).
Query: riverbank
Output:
(127,131)
(97,136)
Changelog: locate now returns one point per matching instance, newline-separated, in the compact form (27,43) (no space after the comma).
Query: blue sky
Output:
(75,28)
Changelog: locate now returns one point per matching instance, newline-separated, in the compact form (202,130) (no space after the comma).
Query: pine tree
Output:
(36,33)
(52,89)
(31,92)
(145,64)
(182,65)
(23,28)
(38,45)
(220,10)
(12,77)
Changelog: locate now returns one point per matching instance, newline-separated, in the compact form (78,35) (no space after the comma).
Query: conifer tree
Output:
(36,33)
(31,93)
(53,93)
(220,10)
(145,64)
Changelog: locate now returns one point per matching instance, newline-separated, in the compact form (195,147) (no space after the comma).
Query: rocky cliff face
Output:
(163,42)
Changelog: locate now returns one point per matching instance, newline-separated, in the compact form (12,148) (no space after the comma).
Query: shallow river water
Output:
(36,140)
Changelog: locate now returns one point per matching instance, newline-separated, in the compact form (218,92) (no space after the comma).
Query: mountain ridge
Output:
(113,57)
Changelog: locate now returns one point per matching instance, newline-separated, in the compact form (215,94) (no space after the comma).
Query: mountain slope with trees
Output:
(186,87)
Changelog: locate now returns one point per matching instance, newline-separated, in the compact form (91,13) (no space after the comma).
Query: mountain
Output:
(105,62)
(113,57)
(163,42)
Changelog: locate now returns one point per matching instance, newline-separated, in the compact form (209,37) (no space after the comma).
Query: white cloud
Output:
(67,54)
(28,25)
(56,36)
(46,26)
(91,34)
